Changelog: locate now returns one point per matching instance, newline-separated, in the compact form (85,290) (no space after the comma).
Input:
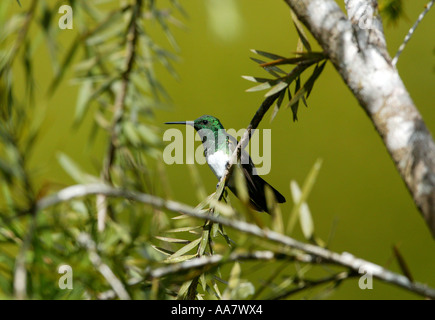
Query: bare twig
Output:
(85,240)
(411,32)
(321,255)
(306,284)
(132,38)
(216,259)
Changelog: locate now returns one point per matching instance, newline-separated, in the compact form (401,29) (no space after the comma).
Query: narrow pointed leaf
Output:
(267,54)
(300,31)
(277,88)
(256,79)
(305,218)
(184,229)
(184,249)
(316,73)
(278,105)
(172,240)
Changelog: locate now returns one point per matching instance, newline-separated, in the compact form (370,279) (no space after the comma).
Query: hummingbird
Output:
(218,148)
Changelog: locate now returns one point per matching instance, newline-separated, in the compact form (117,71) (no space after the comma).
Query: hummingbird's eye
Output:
(204,121)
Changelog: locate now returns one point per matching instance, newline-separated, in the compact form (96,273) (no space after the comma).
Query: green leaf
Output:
(172,240)
(294,101)
(267,54)
(65,65)
(83,99)
(278,105)
(183,250)
(306,190)
(256,79)
(180,258)
(392,10)
(183,229)
(272,69)
(307,87)
(166,252)
(316,73)
(261,87)
(74,171)
(131,133)
(300,31)
(277,88)
(305,218)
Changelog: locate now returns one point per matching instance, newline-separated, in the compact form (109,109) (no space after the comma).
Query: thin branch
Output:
(306,284)
(85,240)
(322,255)
(132,38)
(411,32)
(206,262)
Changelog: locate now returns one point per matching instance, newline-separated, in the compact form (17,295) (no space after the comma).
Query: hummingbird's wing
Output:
(255,184)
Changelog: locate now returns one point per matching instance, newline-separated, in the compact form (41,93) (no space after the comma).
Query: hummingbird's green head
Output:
(207,122)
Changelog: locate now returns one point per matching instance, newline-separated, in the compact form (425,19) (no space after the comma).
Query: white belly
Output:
(217,162)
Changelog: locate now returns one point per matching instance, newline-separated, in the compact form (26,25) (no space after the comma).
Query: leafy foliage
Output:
(118,247)
(392,10)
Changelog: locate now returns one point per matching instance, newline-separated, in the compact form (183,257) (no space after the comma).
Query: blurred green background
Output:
(359,201)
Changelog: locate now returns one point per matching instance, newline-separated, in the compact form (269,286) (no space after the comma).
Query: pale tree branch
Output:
(367,70)
(321,255)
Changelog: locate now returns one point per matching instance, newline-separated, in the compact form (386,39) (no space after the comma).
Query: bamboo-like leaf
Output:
(83,100)
(256,79)
(277,105)
(272,69)
(166,252)
(172,240)
(277,88)
(306,190)
(316,73)
(65,65)
(180,258)
(305,88)
(260,87)
(305,218)
(183,250)
(183,229)
(180,8)
(74,170)
(267,54)
(131,133)
(300,31)
(184,290)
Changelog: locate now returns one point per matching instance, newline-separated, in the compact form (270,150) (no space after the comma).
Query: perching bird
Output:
(218,148)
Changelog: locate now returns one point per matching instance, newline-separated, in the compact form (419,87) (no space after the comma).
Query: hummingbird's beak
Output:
(189,123)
